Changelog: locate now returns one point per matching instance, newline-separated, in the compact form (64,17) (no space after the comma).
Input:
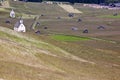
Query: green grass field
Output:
(59,53)
(111,16)
(69,38)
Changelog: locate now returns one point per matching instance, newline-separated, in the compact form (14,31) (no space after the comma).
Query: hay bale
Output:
(115,14)
(7,21)
(79,20)
(45,28)
(85,31)
(58,17)
(71,14)
(37,24)
(42,14)
(74,28)
(101,27)
(37,32)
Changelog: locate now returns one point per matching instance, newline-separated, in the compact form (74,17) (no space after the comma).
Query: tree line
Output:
(81,1)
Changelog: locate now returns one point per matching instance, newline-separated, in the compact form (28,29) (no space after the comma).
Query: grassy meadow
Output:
(58,52)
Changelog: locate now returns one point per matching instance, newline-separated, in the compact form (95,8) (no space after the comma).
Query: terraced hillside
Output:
(58,53)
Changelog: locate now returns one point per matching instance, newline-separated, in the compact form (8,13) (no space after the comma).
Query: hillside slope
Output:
(24,58)
(18,58)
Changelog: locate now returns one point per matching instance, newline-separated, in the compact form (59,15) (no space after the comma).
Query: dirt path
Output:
(35,22)
(69,8)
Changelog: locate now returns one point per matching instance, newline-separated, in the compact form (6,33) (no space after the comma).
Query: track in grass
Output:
(110,16)
(69,38)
